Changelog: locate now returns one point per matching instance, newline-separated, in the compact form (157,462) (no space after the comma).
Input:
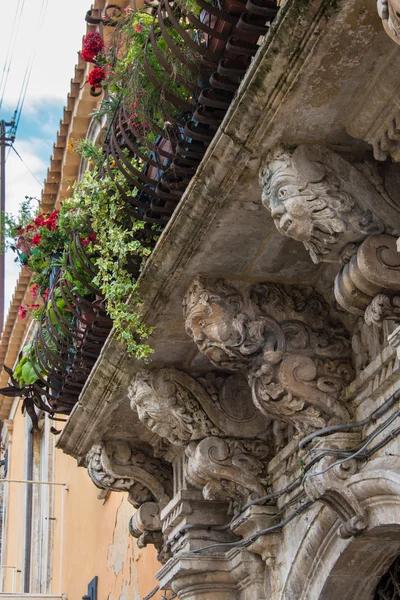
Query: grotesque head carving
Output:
(166,405)
(296,357)
(309,202)
(389,12)
(217,322)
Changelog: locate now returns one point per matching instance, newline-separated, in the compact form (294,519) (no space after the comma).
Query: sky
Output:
(53,45)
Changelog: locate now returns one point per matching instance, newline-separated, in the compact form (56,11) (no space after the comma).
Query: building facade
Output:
(257,453)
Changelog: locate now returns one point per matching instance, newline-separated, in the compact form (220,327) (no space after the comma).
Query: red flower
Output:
(84,241)
(93,42)
(96,76)
(29,228)
(39,221)
(138,28)
(36,305)
(87,55)
(34,290)
(92,237)
(36,239)
(45,294)
(51,224)
(22,312)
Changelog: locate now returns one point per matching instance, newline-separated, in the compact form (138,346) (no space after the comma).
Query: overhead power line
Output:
(22,160)
(28,70)
(10,49)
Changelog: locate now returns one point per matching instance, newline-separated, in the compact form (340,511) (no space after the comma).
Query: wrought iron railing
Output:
(69,339)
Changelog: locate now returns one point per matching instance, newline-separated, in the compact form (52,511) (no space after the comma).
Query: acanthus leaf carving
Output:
(295,355)
(180,408)
(228,468)
(119,466)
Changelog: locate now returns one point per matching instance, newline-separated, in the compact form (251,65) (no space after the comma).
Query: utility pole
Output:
(7,137)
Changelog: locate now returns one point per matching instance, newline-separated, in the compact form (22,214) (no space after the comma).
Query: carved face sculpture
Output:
(389,12)
(217,323)
(309,203)
(156,410)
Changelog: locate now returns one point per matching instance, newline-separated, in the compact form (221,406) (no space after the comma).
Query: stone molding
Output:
(295,354)
(320,199)
(120,466)
(180,408)
(369,284)
(328,484)
(235,575)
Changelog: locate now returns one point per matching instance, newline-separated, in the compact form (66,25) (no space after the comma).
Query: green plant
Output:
(148,101)
(118,241)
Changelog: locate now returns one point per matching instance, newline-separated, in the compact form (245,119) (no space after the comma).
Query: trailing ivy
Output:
(118,245)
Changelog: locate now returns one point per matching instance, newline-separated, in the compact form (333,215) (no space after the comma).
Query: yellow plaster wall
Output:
(96,535)
(97,541)
(16,458)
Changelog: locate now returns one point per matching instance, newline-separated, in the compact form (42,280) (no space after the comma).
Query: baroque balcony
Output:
(151,167)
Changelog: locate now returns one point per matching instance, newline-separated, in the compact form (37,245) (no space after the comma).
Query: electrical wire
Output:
(252,538)
(352,456)
(356,424)
(28,70)
(21,159)
(361,452)
(10,50)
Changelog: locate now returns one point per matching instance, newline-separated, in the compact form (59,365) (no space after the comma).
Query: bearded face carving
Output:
(389,12)
(295,355)
(310,203)
(217,323)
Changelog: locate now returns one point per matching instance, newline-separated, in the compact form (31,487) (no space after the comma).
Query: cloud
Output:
(55,49)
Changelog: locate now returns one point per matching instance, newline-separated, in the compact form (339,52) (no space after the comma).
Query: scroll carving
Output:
(145,526)
(369,285)
(389,12)
(118,466)
(228,468)
(295,355)
(180,408)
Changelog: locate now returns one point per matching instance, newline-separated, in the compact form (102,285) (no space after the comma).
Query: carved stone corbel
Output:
(145,526)
(295,354)
(180,408)
(329,484)
(318,198)
(228,468)
(369,285)
(120,466)
(389,12)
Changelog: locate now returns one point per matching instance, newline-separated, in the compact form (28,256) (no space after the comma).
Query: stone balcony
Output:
(184,435)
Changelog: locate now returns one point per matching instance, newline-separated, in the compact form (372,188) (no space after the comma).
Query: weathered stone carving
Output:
(389,12)
(369,285)
(228,468)
(328,484)
(179,408)
(145,526)
(311,201)
(118,466)
(283,338)
(313,196)
(167,402)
